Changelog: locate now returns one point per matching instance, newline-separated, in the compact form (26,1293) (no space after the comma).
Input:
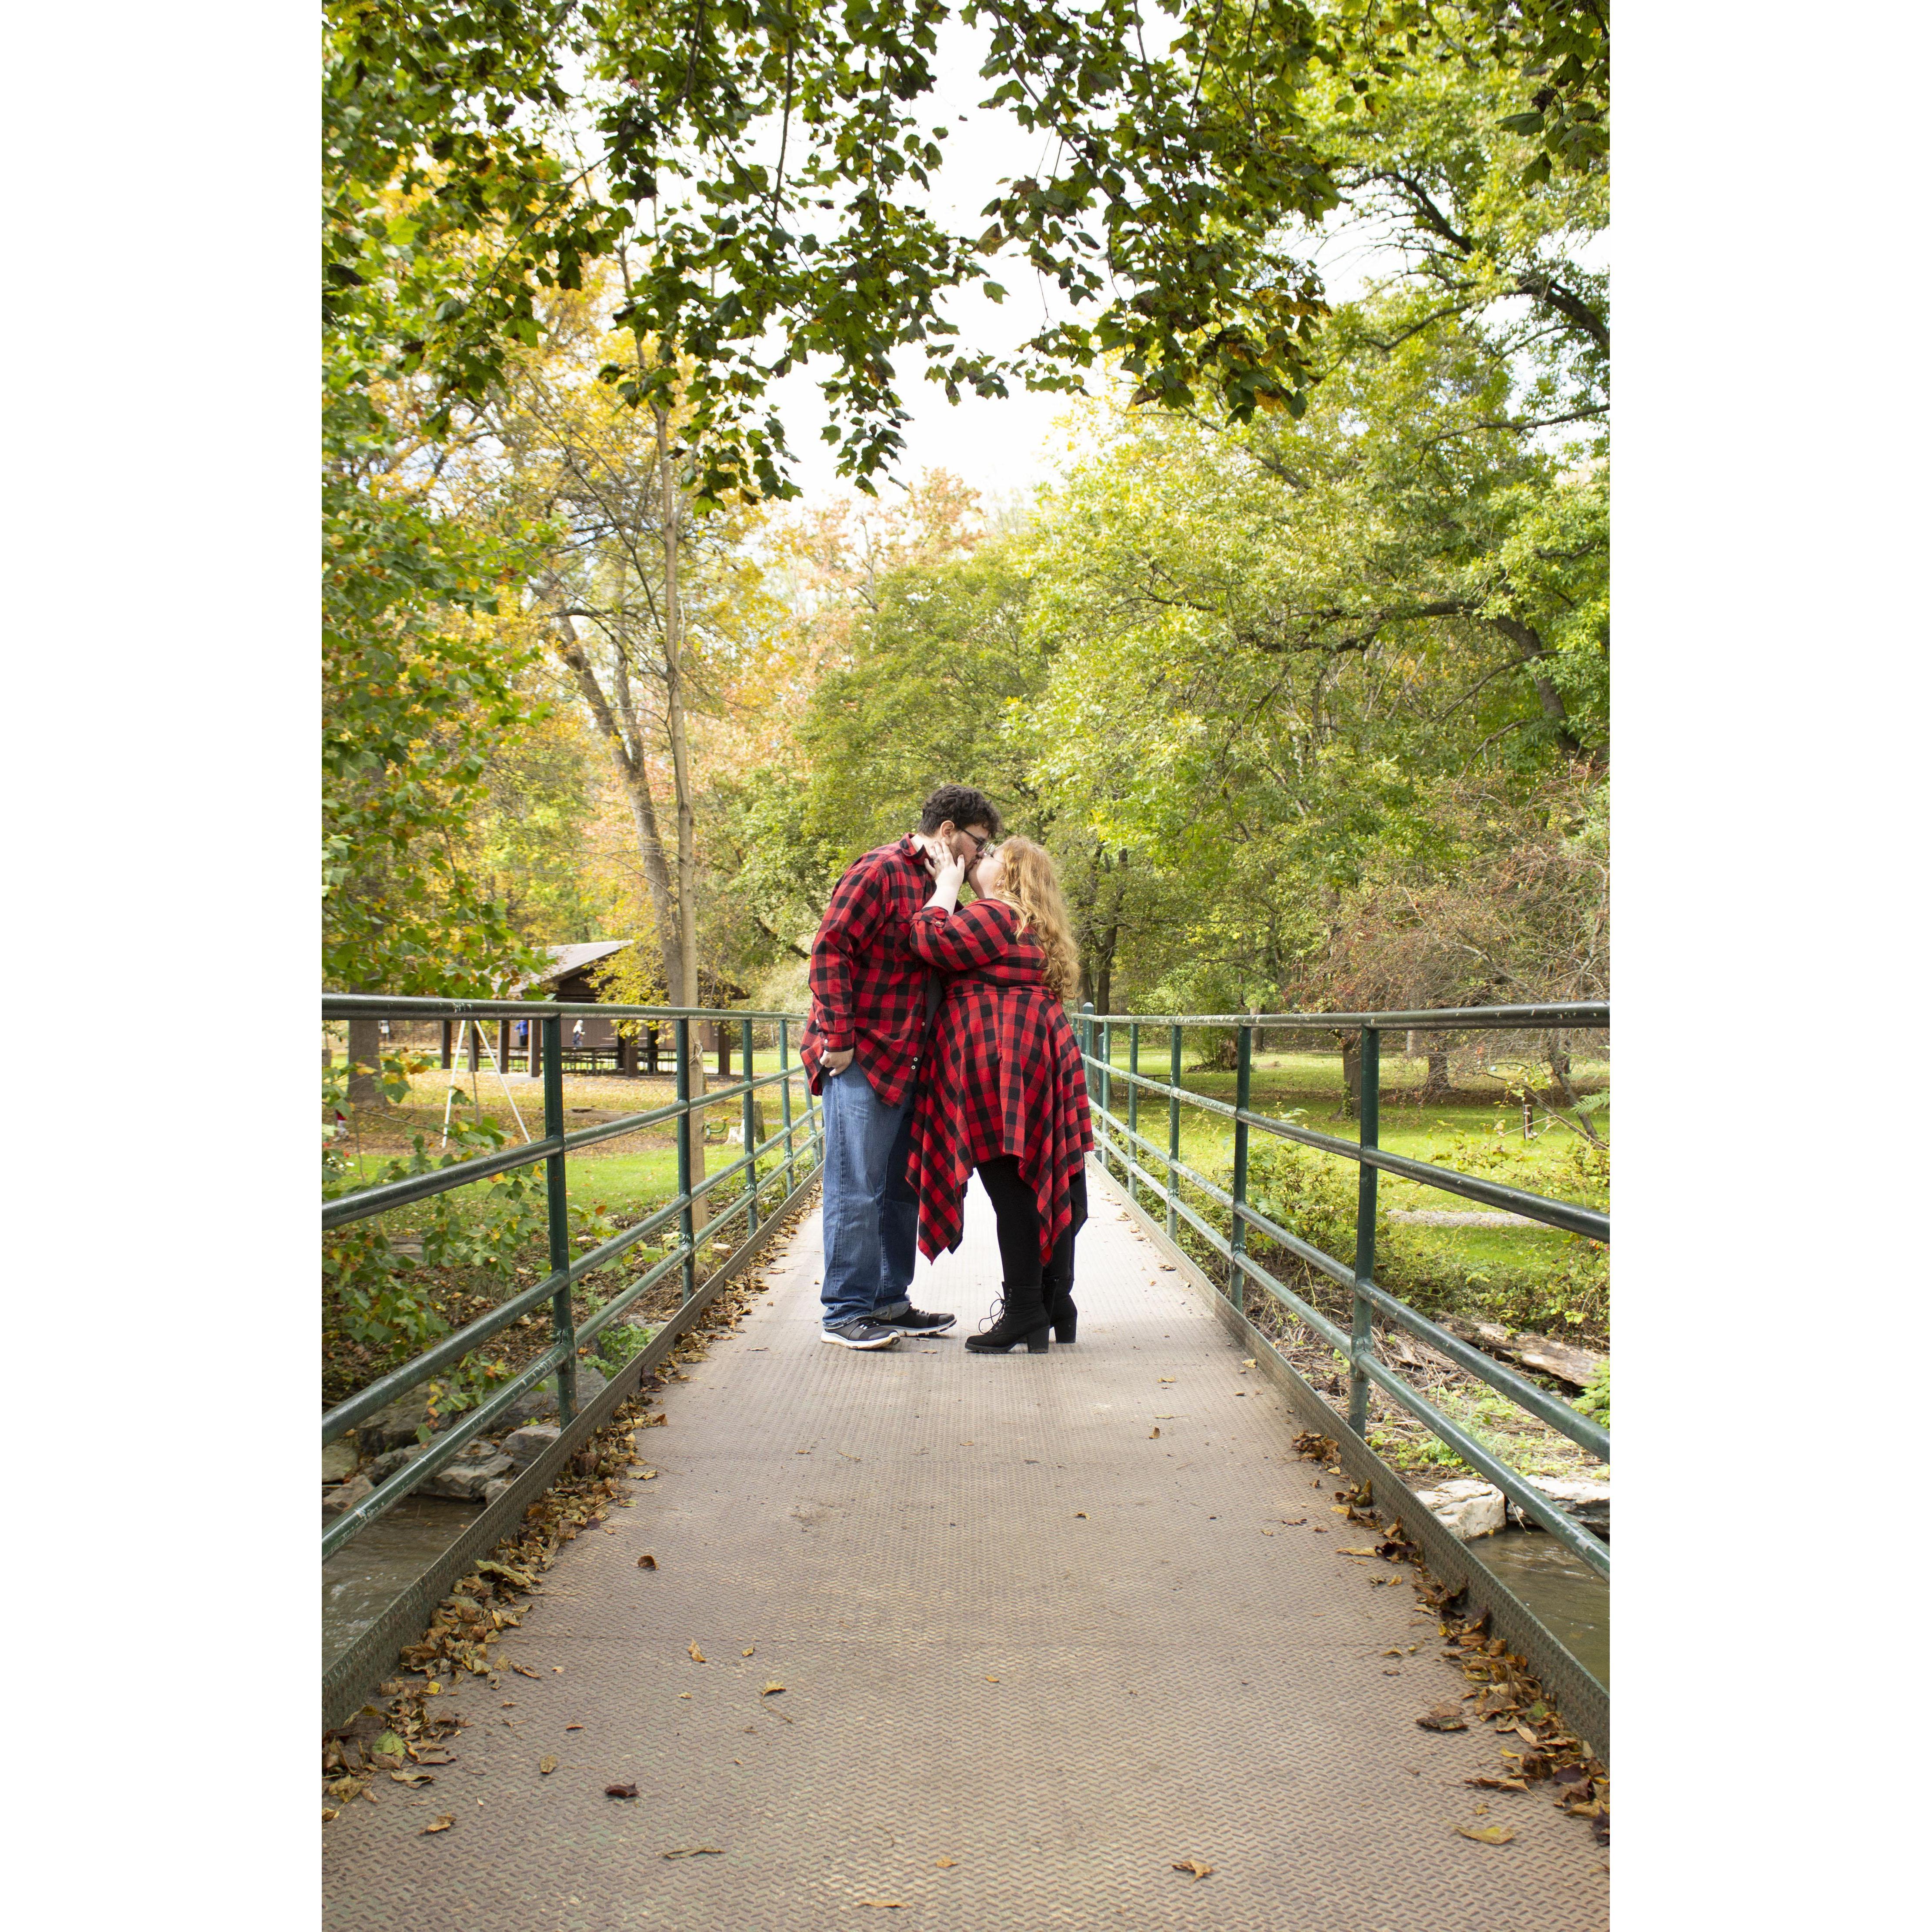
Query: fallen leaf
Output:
(1154,1433)
(1247,1361)
(432,1689)
(992,1680)
(1167,1267)
(748,1650)
(442,1824)
(696,1655)
(1168,1378)
(1443,1718)
(772,1689)
(573,1727)
(1487,1834)
(884,1904)
(1193,1865)
(945,1864)
(1080,1515)
(389,1745)
(557,1669)
(645,1475)
(545,1766)
(521,1672)
(620,1791)
(1355,1552)
(411,1778)
(647,1562)
(695,1852)
(330,1812)
(1497,1783)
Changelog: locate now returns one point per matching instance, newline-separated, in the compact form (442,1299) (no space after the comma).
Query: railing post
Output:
(1237,1239)
(686,1224)
(1087,1048)
(562,1324)
(1362,1333)
(1107,1075)
(785,1104)
(1133,1107)
(1173,1129)
(750,1128)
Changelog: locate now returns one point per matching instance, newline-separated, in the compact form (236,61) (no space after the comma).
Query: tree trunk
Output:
(680,766)
(365,1049)
(1437,1084)
(1351,1078)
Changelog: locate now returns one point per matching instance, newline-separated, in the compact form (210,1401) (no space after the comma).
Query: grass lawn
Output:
(625,1176)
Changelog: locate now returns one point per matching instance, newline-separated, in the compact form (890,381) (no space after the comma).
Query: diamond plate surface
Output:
(1063,1704)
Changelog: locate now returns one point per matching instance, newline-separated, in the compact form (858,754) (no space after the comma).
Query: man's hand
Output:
(836,1063)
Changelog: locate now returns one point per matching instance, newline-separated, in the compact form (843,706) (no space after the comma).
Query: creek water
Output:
(361,1581)
(1572,1600)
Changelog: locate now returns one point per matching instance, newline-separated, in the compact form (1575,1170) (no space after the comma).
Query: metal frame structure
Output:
(793,1172)
(1116,1141)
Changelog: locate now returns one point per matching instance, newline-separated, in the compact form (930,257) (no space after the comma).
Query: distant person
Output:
(1003,1089)
(860,1049)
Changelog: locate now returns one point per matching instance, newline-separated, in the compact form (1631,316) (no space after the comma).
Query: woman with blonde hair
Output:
(1003,1089)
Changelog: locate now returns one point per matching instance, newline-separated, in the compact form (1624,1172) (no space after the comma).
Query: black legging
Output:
(1018,1217)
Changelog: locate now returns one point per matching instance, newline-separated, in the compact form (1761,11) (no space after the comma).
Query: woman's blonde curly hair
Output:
(1030,882)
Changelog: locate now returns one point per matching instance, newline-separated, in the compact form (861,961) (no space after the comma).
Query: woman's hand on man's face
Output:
(949,869)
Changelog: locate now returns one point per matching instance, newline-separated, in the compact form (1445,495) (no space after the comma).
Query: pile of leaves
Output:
(1540,1746)
(403,1738)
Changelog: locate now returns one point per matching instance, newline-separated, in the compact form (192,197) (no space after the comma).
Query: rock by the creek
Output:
(1581,1501)
(393,1427)
(386,1465)
(344,1496)
(535,1403)
(526,1445)
(465,1482)
(492,1490)
(338,1460)
(1466,1508)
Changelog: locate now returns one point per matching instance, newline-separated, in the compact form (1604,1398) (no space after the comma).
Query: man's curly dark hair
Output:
(963,805)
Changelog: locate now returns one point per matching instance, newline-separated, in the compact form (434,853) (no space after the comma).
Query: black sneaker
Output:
(861,1332)
(918,1322)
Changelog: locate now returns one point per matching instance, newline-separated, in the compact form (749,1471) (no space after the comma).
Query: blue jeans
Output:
(871,1217)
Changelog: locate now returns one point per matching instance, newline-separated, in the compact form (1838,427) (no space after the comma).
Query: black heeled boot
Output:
(1057,1294)
(1023,1317)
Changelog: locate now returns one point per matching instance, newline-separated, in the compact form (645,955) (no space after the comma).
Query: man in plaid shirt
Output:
(861,1050)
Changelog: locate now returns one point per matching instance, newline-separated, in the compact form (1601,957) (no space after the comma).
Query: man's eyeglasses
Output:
(979,845)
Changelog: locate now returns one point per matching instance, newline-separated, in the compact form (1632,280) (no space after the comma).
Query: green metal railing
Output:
(1117,1140)
(798,1165)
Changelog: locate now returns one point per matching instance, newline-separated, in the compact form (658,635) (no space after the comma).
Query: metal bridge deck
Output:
(1063,1704)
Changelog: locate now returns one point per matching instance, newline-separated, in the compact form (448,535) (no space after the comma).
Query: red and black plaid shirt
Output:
(1003,1075)
(868,985)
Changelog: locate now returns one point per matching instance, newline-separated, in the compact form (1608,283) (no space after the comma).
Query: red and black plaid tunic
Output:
(868,985)
(1003,1075)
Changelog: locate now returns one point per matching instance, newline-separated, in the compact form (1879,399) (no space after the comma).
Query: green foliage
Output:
(416,695)
(379,1299)
(1595,1401)
(1311,1195)
(450,205)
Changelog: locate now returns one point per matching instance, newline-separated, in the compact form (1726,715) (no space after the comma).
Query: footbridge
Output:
(1140,1633)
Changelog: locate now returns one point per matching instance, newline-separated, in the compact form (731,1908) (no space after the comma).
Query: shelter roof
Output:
(565,960)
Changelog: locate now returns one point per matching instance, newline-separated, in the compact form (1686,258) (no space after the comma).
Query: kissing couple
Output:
(939,1043)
